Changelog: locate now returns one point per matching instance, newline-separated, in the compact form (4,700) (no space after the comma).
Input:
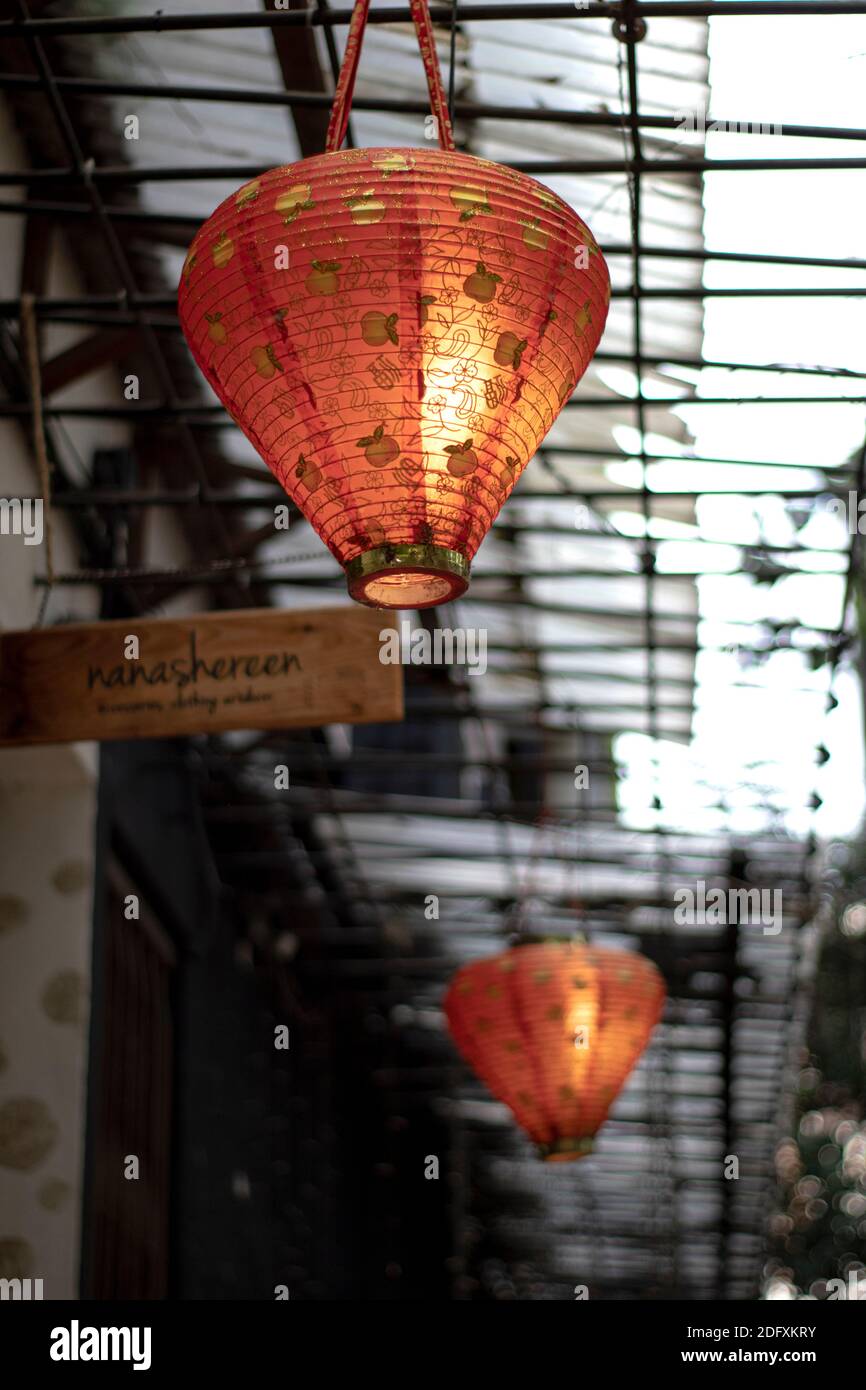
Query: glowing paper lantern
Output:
(554,1030)
(395,330)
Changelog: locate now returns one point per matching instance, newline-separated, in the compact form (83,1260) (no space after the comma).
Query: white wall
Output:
(48,808)
(48,803)
(47,816)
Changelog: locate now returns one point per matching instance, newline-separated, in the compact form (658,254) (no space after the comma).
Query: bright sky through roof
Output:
(757,725)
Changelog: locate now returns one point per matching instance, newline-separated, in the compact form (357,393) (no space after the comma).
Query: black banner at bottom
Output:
(155,1339)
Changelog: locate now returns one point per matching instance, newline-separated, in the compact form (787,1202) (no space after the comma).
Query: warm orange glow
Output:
(395,331)
(554,1030)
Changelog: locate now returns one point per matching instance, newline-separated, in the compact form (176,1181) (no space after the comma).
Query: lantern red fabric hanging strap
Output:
(395,331)
(349,69)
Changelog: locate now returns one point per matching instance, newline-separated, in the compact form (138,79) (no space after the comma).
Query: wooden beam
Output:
(86,356)
(36,254)
(298,58)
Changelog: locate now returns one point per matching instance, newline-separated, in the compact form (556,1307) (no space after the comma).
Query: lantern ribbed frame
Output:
(554,1029)
(395,331)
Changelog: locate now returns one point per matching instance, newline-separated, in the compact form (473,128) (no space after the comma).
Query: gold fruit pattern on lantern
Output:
(390,163)
(366,209)
(295,200)
(583,318)
(509,350)
(512,467)
(533,237)
(378,328)
(591,244)
(481,284)
(424,302)
(308,474)
(216,329)
(189,265)
(248,193)
(549,318)
(380,448)
(322,279)
(264,359)
(470,202)
(462,459)
(223,250)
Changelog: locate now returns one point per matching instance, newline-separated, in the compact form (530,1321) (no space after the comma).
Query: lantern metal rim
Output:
(407,576)
(564,1149)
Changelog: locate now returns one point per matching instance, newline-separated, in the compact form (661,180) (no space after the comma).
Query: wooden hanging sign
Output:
(258,668)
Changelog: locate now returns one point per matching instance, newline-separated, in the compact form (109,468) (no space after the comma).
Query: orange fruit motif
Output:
(248,193)
(378,328)
(481,284)
(216,329)
(189,264)
(295,200)
(322,279)
(380,448)
(390,163)
(512,466)
(308,473)
(424,302)
(583,319)
(548,200)
(509,350)
(533,236)
(469,201)
(463,460)
(223,249)
(366,209)
(264,359)
(549,318)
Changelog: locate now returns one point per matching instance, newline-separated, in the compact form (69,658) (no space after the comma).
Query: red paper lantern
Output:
(395,330)
(554,1030)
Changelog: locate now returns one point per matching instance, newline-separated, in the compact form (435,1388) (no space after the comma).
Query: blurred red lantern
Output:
(554,1030)
(395,330)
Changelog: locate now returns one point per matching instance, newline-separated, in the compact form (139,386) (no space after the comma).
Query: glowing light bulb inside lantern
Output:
(582,1016)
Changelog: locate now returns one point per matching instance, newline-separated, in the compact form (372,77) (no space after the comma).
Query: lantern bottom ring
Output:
(562,1150)
(407,576)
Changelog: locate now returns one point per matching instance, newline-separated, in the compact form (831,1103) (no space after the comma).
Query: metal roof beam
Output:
(440,14)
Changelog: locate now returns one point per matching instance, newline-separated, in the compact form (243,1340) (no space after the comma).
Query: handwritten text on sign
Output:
(156,678)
